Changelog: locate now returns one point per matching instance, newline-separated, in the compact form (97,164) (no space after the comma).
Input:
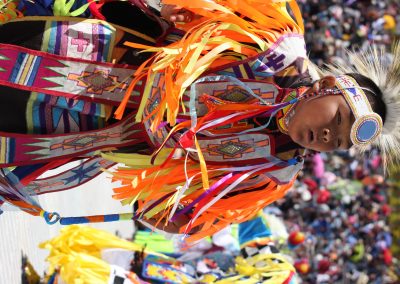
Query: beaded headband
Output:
(367,125)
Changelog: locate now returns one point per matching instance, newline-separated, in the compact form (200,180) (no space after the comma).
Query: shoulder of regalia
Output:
(226,32)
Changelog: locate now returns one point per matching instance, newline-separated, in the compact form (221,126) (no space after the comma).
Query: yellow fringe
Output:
(137,160)
(76,253)
(275,272)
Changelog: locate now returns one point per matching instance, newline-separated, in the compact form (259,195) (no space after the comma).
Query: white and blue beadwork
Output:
(365,129)
(367,125)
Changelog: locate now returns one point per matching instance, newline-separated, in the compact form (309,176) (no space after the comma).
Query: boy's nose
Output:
(326,135)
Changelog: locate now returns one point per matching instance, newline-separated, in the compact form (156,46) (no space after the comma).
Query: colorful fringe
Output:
(8,11)
(214,196)
(220,37)
(157,190)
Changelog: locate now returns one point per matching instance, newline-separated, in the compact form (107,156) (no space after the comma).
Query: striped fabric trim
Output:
(25,69)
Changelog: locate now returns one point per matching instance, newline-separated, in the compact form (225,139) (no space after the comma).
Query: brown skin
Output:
(322,123)
(174,14)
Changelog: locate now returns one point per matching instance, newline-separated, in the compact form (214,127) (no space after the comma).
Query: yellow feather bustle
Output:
(76,254)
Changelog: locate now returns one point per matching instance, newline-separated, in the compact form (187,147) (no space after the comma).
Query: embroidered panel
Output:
(17,149)
(79,39)
(227,91)
(71,178)
(235,148)
(231,92)
(54,75)
(49,115)
(287,50)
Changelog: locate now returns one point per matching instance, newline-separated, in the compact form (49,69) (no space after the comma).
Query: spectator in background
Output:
(345,220)
(333,26)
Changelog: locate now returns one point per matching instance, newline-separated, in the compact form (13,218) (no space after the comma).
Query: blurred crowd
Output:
(341,204)
(341,200)
(335,25)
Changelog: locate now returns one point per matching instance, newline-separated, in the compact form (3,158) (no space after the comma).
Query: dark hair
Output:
(374,97)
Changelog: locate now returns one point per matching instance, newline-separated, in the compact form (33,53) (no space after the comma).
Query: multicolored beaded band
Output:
(367,125)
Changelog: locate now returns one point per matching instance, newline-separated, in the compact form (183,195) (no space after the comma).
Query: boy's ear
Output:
(327,82)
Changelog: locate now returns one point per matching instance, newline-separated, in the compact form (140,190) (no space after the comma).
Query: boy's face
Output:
(322,123)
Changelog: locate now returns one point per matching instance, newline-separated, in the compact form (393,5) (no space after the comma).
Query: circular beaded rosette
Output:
(367,125)
(366,129)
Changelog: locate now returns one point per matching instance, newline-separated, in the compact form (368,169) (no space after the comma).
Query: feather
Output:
(384,70)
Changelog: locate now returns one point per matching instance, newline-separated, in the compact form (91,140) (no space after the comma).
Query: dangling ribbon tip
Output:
(50,218)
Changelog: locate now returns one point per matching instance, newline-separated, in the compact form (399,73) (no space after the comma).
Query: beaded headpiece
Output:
(367,125)
(383,69)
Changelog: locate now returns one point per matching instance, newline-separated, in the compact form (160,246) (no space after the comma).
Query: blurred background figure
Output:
(333,25)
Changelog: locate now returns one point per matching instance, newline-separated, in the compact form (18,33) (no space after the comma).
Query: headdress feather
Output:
(384,70)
